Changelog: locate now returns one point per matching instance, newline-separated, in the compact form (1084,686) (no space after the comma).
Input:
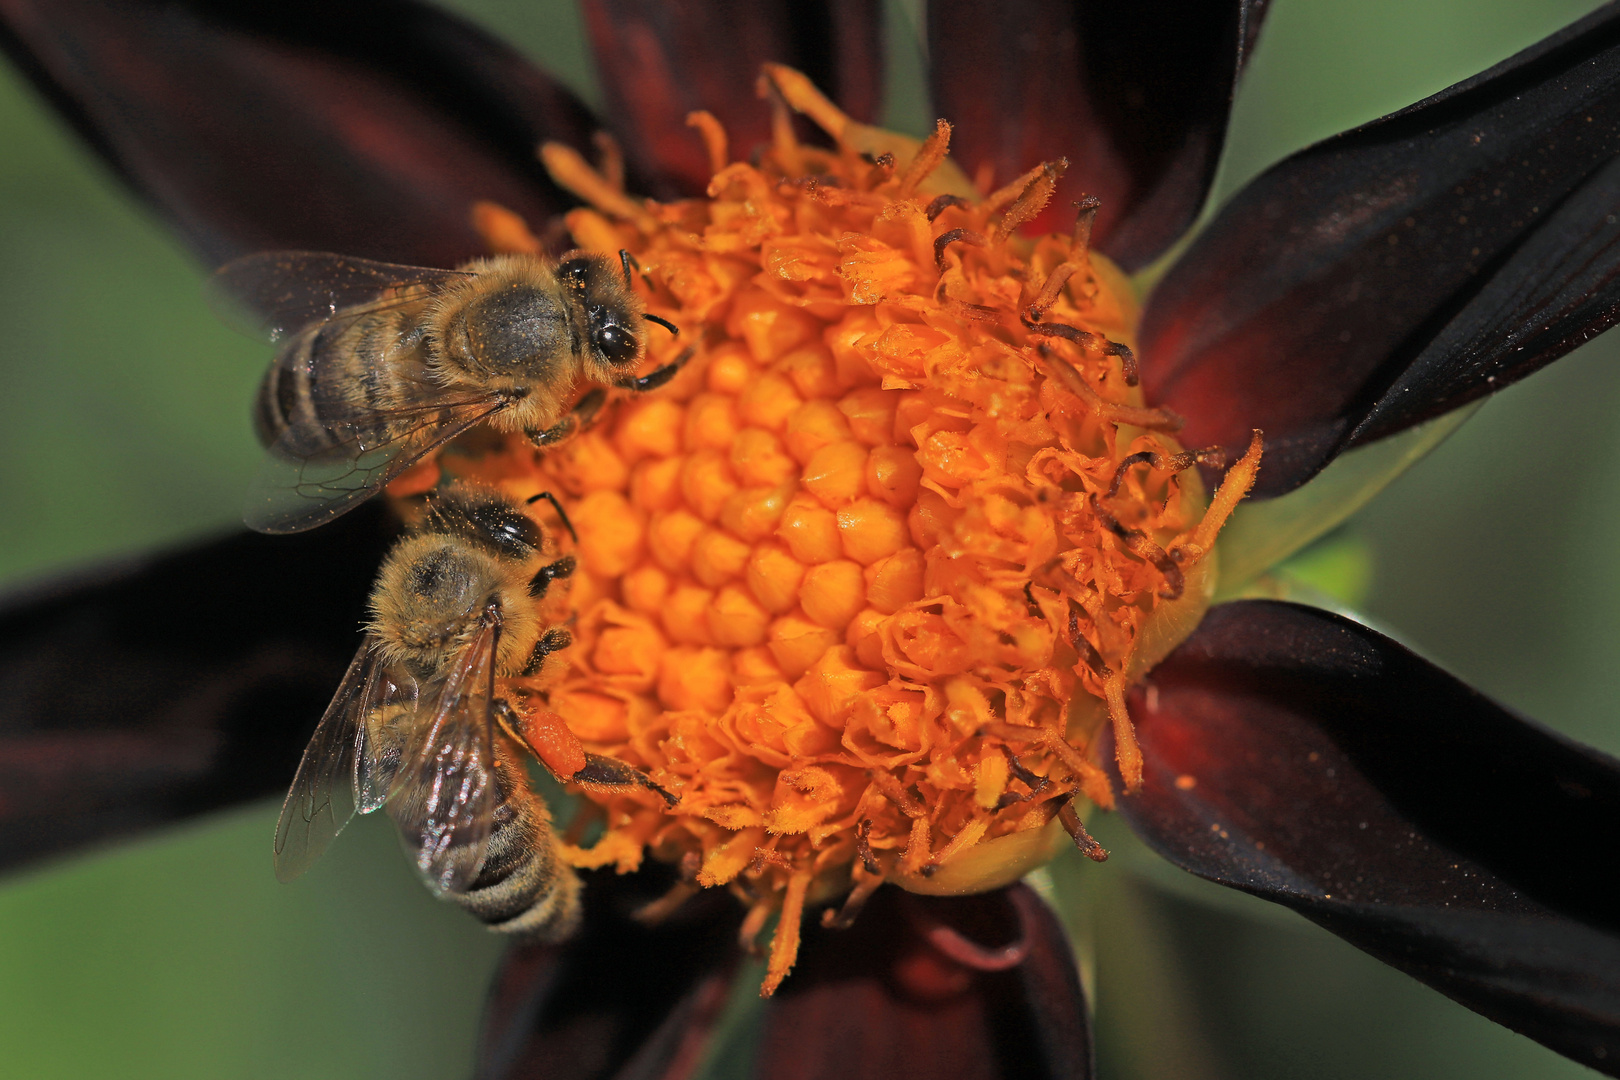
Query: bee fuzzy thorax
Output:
(472,556)
(867,583)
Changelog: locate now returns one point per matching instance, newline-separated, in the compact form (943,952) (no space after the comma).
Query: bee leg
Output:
(509,720)
(554,640)
(543,577)
(657,377)
(580,417)
(604,772)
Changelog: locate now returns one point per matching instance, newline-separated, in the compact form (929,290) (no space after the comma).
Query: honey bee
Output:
(417,726)
(383,363)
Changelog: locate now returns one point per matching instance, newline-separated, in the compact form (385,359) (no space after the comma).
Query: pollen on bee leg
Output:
(552,741)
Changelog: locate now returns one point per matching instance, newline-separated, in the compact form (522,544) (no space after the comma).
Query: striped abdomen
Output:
(523,887)
(337,380)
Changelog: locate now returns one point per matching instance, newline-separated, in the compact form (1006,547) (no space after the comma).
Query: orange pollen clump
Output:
(865,582)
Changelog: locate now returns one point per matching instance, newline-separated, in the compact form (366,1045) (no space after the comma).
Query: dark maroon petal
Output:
(367,127)
(619,999)
(972,988)
(1135,95)
(1401,269)
(662,59)
(1308,760)
(149,692)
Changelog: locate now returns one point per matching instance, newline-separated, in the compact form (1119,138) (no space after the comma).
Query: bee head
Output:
(612,312)
(485,517)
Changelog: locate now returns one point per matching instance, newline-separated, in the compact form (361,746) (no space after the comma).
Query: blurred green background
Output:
(123,416)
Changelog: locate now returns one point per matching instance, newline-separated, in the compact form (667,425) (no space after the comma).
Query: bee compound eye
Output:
(574,271)
(616,344)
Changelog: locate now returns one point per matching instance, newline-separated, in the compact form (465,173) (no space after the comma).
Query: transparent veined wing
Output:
(309,477)
(326,790)
(443,797)
(276,293)
(384,733)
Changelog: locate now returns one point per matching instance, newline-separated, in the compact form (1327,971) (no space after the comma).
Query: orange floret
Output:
(864,583)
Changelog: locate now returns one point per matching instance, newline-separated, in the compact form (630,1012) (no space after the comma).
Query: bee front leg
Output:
(543,577)
(576,420)
(656,377)
(546,735)
(554,640)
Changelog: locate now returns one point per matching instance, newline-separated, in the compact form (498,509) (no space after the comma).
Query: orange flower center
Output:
(865,582)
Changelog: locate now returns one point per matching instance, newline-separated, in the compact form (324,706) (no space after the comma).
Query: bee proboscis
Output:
(419,726)
(381,363)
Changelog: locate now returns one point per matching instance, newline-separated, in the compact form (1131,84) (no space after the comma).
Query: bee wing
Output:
(326,790)
(275,293)
(443,797)
(298,488)
(382,744)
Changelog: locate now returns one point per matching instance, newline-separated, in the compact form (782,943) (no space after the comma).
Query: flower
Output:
(1297,692)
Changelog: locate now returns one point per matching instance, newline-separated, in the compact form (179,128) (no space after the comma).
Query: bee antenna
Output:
(665,323)
(557,506)
(627,260)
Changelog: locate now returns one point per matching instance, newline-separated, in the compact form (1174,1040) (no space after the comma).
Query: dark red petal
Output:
(145,693)
(1308,760)
(1399,270)
(1135,95)
(367,127)
(661,59)
(619,999)
(972,988)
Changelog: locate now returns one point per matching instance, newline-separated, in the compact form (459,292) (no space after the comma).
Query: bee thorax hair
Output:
(431,594)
